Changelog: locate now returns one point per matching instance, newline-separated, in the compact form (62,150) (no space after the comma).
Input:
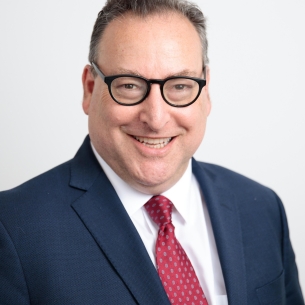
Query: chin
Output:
(151,182)
(153,185)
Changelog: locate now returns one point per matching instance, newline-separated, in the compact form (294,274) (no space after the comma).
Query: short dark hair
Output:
(143,8)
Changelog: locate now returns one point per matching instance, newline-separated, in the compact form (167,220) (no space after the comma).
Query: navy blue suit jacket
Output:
(65,238)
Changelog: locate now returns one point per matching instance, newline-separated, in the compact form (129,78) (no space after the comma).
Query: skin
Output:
(157,46)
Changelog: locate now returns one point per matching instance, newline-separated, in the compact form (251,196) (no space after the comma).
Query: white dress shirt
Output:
(192,224)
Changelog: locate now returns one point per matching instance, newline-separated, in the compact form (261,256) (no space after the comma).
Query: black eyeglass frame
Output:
(109,79)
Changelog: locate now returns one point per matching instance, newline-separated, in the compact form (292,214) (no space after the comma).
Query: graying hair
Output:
(143,8)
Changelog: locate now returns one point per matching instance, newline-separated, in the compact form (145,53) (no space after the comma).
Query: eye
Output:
(130,86)
(179,86)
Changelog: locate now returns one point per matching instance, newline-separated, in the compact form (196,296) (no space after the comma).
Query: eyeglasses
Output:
(129,90)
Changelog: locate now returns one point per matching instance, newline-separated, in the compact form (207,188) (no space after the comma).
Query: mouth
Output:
(153,143)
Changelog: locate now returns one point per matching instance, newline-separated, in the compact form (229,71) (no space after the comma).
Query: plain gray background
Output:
(257,63)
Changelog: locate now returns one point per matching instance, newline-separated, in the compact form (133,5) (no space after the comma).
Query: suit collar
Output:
(224,215)
(84,167)
(103,214)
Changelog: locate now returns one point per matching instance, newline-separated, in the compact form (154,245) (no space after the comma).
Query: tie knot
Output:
(159,209)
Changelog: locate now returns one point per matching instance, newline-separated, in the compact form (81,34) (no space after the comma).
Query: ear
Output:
(207,89)
(88,86)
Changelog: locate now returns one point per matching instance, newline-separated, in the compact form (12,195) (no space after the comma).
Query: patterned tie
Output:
(174,267)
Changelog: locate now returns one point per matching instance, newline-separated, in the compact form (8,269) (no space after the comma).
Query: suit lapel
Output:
(104,216)
(225,221)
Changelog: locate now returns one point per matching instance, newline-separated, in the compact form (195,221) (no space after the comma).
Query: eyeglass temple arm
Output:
(205,72)
(98,71)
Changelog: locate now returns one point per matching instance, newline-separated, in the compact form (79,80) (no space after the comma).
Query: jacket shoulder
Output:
(247,192)
(48,177)
(227,176)
(57,183)
(41,186)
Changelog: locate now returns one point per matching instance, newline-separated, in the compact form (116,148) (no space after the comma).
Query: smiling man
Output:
(132,218)
(148,144)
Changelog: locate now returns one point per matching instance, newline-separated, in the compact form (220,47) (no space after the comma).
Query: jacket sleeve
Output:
(13,288)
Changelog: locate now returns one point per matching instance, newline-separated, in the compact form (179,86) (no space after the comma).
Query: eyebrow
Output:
(185,72)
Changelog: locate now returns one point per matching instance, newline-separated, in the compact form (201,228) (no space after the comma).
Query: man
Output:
(85,232)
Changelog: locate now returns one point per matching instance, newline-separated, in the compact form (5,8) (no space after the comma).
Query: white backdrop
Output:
(257,62)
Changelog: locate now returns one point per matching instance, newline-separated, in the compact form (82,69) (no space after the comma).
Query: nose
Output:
(155,112)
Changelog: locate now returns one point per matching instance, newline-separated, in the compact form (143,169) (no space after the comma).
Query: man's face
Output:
(155,47)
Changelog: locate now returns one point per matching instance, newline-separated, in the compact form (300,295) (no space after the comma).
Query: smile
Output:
(153,143)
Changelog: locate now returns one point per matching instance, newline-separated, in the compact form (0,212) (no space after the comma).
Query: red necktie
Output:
(174,267)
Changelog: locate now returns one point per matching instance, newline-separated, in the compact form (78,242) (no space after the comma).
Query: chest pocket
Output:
(272,293)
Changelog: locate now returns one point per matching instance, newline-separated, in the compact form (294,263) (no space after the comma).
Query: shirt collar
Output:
(134,200)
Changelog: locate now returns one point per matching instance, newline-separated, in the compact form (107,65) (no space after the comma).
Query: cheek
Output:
(194,117)
(204,108)
(197,123)
(98,114)
(102,109)
(107,119)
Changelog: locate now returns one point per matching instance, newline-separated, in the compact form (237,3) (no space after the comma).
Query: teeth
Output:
(153,143)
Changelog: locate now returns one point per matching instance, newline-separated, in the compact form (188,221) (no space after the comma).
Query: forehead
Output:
(164,41)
